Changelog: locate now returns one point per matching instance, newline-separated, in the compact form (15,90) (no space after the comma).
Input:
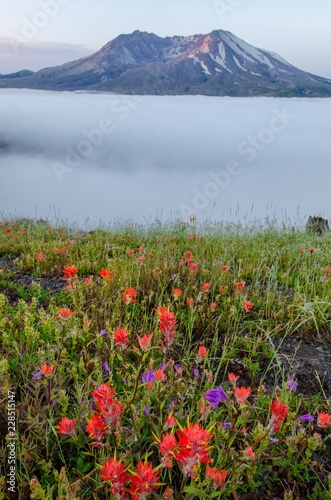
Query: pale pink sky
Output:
(39,33)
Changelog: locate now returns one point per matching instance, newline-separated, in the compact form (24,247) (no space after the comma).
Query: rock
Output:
(317,225)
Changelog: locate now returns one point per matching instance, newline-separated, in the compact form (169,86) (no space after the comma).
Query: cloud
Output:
(16,55)
(103,157)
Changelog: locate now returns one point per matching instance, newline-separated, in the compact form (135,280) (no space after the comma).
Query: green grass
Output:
(285,277)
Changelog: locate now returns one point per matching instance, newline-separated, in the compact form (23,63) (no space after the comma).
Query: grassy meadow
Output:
(145,362)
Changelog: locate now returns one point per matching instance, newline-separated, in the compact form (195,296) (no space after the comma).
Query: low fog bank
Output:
(101,157)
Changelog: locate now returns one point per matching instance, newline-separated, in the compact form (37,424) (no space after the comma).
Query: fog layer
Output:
(103,157)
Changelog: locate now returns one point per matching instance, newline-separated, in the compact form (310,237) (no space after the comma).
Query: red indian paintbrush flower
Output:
(112,415)
(96,427)
(168,493)
(323,420)
(248,306)
(217,476)
(167,445)
(206,287)
(190,303)
(145,341)
(104,396)
(66,427)
(106,275)
(109,408)
(167,325)
(70,272)
(232,377)
(278,409)
(129,296)
(65,313)
(240,286)
(177,292)
(47,369)
(193,448)
(188,255)
(242,393)
(202,352)
(327,272)
(144,481)
(121,337)
(278,413)
(159,374)
(249,453)
(114,472)
(170,422)
(192,267)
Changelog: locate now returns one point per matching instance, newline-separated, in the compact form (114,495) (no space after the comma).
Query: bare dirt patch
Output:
(307,360)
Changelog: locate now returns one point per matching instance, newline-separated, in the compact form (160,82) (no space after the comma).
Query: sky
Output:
(39,33)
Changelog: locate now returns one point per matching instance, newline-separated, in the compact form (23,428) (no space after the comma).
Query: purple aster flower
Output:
(215,396)
(105,366)
(146,410)
(148,377)
(227,425)
(36,375)
(103,332)
(273,440)
(307,418)
(162,366)
(292,385)
(196,373)
(177,367)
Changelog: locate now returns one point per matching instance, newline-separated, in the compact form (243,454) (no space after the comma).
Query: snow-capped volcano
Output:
(218,63)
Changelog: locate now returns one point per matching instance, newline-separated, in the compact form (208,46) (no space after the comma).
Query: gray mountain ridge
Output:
(216,64)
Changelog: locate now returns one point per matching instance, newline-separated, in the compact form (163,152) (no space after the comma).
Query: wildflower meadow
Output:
(144,362)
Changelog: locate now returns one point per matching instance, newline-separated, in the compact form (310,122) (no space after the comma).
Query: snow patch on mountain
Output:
(246,51)
(238,64)
(236,48)
(220,58)
(205,69)
(278,57)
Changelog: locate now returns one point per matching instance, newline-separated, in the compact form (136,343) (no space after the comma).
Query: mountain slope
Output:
(218,64)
